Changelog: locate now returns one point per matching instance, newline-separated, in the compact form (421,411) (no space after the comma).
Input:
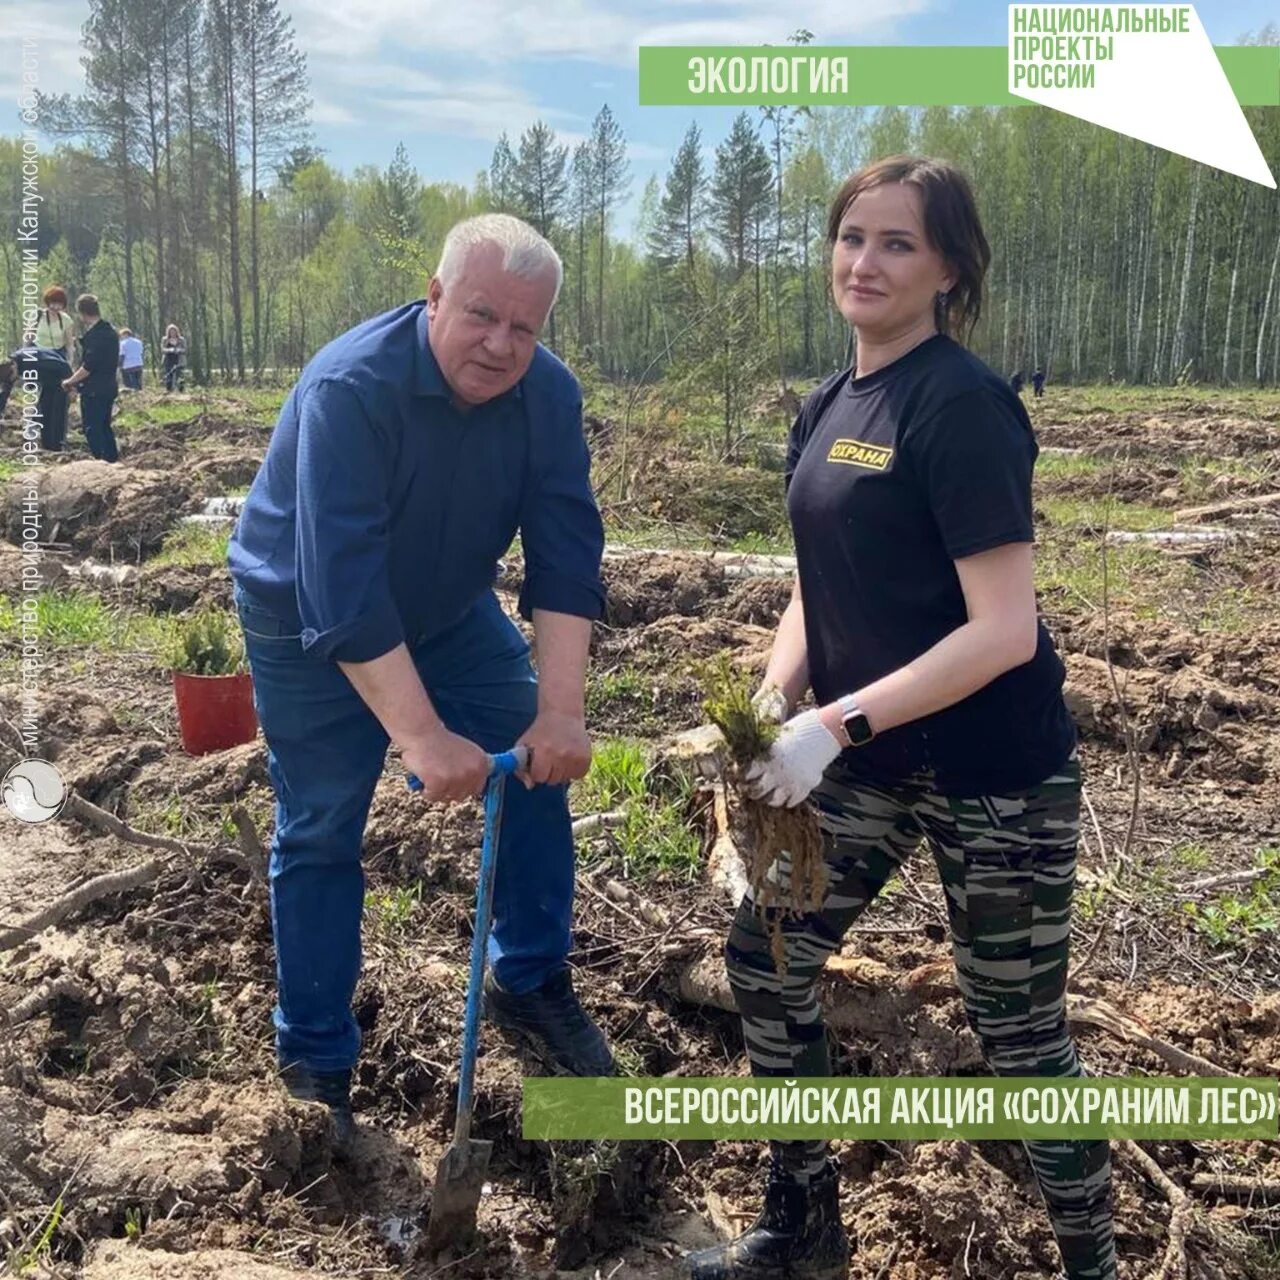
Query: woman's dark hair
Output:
(950,221)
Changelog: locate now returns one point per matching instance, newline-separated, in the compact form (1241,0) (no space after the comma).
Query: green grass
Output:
(9,467)
(391,911)
(1063,401)
(1138,576)
(195,544)
(76,620)
(1191,856)
(1245,918)
(159,413)
(1101,513)
(616,775)
(655,838)
(1196,475)
(1050,466)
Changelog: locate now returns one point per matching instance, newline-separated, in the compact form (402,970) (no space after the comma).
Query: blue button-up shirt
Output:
(380,511)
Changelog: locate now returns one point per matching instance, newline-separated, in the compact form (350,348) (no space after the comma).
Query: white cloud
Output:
(606,31)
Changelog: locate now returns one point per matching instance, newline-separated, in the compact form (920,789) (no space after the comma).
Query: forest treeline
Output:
(184,185)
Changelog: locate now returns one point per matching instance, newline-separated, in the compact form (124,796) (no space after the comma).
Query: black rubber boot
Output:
(552,1022)
(798,1236)
(333,1088)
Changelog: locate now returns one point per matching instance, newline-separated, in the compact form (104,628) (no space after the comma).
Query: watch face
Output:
(858,727)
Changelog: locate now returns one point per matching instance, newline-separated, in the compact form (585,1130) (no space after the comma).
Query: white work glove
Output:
(795,763)
(771,704)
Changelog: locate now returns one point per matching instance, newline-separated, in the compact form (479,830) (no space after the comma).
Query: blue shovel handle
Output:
(501,765)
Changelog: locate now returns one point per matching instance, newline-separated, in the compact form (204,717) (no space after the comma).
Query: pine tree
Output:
(682,210)
(612,176)
(740,193)
(502,175)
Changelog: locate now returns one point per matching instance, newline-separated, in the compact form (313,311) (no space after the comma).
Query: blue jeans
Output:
(95,413)
(325,756)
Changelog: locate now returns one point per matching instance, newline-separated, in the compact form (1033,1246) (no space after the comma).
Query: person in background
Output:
(130,360)
(55,332)
(51,369)
(172,351)
(1017,382)
(55,329)
(8,376)
(1037,382)
(96,378)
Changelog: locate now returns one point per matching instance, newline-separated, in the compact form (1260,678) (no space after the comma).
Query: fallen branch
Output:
(1191,515)
(703,981)
(250,846)
(1241,1188)
(596,823)
(1098,1013)
(725,867)
(1247,876)
(78,807)
(69,903)
(41,998)
(1174,1266)
(649,912)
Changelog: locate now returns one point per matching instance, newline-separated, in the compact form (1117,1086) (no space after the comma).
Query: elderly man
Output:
(405,459)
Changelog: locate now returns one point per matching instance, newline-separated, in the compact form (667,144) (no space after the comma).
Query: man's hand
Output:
(795,763)
(68,384)
(450,767)
(560,749)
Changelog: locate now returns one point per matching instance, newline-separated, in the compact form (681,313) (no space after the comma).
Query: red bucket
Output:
(214,712)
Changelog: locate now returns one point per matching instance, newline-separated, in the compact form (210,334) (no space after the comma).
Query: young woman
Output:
(939,703)
(55,329)
(173,349)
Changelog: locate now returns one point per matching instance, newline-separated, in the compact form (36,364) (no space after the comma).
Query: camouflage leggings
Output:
(1007,864)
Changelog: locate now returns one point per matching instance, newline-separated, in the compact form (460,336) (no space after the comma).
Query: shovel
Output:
(461,1172)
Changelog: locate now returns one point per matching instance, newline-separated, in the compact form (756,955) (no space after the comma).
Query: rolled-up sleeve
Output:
(560,529)
(343,529)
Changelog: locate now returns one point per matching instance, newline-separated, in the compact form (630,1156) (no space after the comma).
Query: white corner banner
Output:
(1148,71)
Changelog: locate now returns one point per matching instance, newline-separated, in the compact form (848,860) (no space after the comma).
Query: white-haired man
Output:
(404,461)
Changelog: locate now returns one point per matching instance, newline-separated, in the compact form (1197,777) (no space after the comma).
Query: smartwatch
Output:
(857,727)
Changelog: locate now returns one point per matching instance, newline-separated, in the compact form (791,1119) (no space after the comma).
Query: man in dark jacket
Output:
(406,458)
(96,377)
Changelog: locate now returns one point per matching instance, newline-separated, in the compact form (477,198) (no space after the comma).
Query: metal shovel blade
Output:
(460,1176)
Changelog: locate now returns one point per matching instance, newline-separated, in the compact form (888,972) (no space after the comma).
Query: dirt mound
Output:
(759,601)
(1193,722)
(643,588)
(105,510)
(1197,430)
(176,588)
(53,571)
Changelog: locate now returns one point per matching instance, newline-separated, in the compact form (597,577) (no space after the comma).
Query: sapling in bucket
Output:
(213,691)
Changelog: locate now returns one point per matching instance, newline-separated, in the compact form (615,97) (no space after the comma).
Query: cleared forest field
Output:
(141,1131)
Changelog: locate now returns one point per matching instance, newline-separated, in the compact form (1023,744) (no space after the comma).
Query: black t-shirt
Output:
(891,478)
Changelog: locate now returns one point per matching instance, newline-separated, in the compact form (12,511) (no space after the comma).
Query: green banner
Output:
(879,75)
(901,1107)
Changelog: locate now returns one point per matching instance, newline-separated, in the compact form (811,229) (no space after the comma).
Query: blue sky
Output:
(446,77)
